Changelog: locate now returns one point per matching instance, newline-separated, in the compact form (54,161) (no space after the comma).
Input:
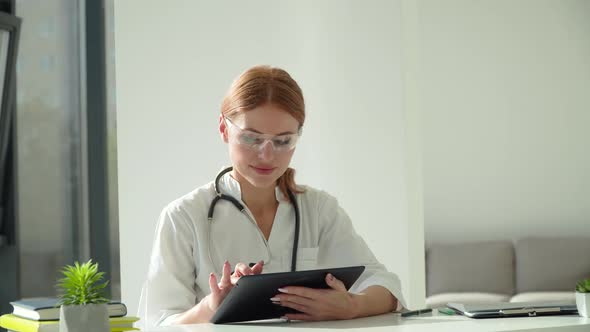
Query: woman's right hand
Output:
(219,290)
(203,311)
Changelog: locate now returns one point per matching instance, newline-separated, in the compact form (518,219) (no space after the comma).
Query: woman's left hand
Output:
(318,304)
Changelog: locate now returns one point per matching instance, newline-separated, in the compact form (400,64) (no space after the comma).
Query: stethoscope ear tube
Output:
(235,202)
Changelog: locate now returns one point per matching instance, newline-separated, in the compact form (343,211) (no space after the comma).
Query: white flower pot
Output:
(84,318)
(583,304)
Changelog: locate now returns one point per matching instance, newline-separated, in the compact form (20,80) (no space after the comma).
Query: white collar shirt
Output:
(188,247)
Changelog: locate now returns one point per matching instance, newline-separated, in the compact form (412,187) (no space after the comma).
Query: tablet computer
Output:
(250,300)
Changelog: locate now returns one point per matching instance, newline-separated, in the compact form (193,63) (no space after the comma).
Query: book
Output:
(15,323)
(47,308)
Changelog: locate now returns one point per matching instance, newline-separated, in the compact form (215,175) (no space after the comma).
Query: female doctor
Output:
(254,212)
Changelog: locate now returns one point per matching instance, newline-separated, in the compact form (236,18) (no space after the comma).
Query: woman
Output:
(261,120)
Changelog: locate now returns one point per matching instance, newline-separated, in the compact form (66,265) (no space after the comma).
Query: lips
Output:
(263,169)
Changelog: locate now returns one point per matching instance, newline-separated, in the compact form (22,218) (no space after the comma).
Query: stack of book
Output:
(42,315)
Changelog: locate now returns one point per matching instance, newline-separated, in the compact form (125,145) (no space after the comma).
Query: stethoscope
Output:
(219,196)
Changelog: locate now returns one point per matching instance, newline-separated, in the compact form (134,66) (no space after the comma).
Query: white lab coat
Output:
(183,255)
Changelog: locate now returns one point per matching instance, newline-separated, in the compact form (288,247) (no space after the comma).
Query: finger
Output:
(225,277)
(213,284)
(303,301)
(242,269)
(309,293)
(299,307)
(257,268)
(335,283)
(300,317)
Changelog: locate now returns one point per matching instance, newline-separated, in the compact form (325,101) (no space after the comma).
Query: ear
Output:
(223,128)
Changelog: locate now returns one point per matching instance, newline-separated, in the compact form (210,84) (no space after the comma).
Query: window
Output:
(66,182)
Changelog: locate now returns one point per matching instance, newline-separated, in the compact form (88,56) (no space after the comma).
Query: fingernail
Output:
(282,290)
(275,299)
(330,277)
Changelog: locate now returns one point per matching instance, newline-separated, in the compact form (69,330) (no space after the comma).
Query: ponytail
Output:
(287,183)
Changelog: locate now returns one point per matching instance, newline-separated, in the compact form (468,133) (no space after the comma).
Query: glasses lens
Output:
(250,138)
(256,141)
(284,142)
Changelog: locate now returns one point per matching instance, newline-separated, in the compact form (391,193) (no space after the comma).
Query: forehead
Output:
(267,119)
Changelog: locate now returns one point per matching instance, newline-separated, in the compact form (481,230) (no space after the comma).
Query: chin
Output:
(259,182)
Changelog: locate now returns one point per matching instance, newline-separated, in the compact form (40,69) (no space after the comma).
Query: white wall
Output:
(505,99)
(175,61)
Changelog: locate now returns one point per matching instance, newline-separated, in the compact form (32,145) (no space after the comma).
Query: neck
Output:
(257,199)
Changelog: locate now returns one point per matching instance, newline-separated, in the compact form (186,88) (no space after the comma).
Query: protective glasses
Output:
(256,141)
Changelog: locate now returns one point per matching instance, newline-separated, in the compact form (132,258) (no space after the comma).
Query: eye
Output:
(250,139)
(282,140)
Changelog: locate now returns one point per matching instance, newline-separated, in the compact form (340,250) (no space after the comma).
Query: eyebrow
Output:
(256,131)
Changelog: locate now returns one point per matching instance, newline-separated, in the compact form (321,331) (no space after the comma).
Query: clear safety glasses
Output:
(256,141)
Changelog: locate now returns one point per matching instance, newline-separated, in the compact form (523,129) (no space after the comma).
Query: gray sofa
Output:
(528,270)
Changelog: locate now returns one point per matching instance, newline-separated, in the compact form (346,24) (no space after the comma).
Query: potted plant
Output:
(83,306)
(583,297)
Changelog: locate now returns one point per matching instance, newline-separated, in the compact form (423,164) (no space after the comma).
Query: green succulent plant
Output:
(583,286)
(82,284)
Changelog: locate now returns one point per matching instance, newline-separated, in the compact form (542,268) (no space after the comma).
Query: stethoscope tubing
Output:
(220,196)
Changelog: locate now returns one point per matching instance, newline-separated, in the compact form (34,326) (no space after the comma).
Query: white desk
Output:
(393,323)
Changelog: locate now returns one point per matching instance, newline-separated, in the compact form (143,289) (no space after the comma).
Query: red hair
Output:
(260,85)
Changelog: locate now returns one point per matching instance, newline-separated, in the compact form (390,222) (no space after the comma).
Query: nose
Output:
(266,151)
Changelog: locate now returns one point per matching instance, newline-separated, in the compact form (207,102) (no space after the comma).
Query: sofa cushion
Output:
(484,267)
(561,297)
(551,264)
(440,300)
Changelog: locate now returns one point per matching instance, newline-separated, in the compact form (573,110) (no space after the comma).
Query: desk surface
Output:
(393,322)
